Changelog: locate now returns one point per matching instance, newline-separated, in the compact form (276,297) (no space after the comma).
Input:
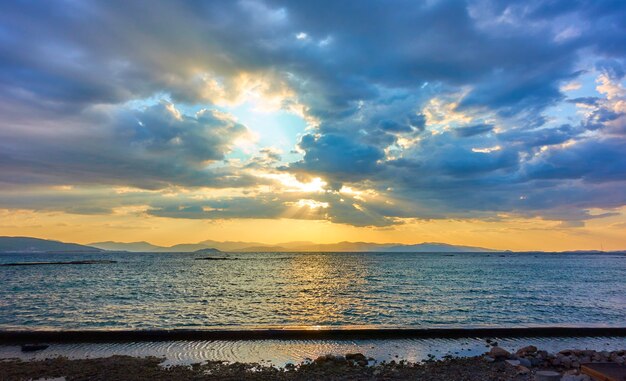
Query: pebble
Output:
(547,375)
(357,358)
(527,350)
(499,353)
(580,377)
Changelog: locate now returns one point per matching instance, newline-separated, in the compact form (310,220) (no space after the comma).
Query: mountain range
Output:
(32,245)
(36,245)
(289,246)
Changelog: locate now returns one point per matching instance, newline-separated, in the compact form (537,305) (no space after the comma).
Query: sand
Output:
(149,368)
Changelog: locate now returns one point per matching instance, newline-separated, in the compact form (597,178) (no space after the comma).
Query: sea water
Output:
(419,290)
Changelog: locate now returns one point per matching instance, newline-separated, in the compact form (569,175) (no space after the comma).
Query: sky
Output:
(491,123)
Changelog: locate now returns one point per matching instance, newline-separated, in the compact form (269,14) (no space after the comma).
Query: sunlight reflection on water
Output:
(152,290)
(280,352)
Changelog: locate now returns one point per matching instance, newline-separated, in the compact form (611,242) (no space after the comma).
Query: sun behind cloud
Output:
(498,124)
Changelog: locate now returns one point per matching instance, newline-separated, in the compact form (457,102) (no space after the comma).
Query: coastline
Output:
(526,364)
(280,351)
(301,333)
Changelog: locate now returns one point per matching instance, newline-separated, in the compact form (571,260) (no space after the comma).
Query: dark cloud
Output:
(591,160)
(528,139)
(473,130)
(75,78)
(149,148)
(338,155)
(611,67)
(589,101)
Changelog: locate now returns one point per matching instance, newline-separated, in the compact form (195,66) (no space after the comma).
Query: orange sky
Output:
(513,234)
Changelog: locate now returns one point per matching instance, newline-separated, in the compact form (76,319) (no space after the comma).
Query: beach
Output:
(458,356)
(298,316)
(527,363)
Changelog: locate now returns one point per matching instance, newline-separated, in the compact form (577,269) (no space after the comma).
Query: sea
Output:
(256,290)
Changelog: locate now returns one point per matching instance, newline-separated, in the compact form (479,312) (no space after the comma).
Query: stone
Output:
(547,375)
(324,359)
(605,355)
(525,362)
(355,356)
(566,362)
(513,362)
(522,370)
(499,366)
(527,350)
(357,359)
(579,377)
(499,353)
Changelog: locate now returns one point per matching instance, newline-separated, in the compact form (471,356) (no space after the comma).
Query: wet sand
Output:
(280,352)
(135,369)
(496,364)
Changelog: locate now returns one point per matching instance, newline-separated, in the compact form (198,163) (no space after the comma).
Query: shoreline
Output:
(281,352)
(298,333)
(526,364)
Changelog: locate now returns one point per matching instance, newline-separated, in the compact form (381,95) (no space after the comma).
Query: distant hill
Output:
(180,248)
(231,245)
(435,247)
(427,247)
(187,247)
(262,249)
(36,245)
(123,246)
(340,246)
(211,250)
(289,246)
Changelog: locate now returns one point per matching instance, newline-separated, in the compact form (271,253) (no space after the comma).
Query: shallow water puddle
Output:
(281,352)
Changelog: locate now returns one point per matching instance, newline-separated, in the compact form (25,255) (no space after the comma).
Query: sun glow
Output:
(292,184)
(487,150)
(311,204)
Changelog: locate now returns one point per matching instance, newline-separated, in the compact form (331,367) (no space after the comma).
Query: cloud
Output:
(473,130)
(592,160)
(337,155)
(149,148)
(442,108)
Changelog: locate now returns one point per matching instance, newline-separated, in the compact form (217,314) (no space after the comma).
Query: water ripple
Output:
(281,352)
(151,290)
